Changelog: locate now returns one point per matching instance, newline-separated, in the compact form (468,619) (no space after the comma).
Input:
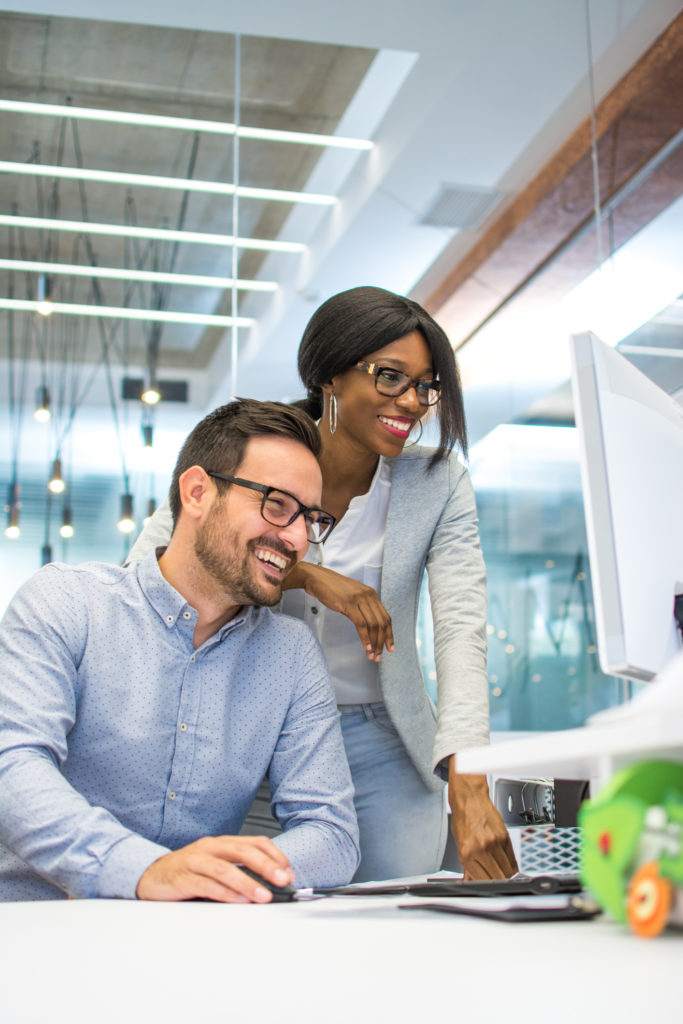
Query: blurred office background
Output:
(468,153)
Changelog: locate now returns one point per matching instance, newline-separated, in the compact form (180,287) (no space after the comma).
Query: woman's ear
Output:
(328,387)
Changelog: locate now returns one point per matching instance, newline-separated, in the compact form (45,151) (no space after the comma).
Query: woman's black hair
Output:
(353,324)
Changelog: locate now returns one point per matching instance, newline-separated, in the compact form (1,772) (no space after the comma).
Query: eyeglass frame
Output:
(266,491)
(374,369)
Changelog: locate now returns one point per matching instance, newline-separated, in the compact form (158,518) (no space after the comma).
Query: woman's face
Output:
(381,423)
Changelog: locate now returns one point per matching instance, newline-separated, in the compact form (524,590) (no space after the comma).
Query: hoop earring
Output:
(410,444)
(333,413)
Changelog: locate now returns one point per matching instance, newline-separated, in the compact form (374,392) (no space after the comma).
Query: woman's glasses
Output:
(392,383)
(279,508)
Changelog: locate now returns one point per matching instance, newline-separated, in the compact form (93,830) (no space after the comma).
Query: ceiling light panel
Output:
(126,274)
(126,313)
(161,181)
(155,234)
(183,124)
(168,183)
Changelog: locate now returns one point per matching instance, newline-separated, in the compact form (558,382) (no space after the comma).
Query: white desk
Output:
(591,752)
(341,960)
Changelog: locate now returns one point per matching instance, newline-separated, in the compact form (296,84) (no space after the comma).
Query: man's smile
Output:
(273,561)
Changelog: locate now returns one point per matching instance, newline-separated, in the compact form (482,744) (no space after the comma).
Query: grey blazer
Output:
(432,524)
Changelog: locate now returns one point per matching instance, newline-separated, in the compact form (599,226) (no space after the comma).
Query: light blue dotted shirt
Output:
(119,741)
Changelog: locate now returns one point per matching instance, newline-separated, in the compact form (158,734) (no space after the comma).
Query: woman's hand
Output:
(483,842)
(357,601)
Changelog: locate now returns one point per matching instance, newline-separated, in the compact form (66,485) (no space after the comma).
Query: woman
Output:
(374,364)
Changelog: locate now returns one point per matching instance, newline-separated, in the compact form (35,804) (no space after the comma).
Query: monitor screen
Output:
(631,450)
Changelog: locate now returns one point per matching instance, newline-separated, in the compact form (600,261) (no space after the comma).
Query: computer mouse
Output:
(281,893)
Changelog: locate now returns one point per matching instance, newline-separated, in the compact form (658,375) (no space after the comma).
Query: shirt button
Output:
(193,659)
(314,610)
(171,796)
(183,727)
(170,619)
(187,615)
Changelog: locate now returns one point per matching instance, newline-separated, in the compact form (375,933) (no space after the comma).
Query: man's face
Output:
(248,557)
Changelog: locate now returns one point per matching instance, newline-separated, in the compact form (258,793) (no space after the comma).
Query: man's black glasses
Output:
(391,382)
(279,508)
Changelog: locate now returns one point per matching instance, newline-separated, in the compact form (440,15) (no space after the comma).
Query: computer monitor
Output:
(631,450)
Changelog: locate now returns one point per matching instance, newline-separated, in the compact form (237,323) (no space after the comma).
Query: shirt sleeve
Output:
(82,849)
(155,535)
(310,781)
(457,589)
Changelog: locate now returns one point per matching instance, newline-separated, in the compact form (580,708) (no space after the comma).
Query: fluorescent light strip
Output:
(124,313)
(185,124)
(122,274)
(159,181)
(159,234)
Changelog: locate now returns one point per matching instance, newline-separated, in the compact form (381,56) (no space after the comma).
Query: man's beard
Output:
(217,551)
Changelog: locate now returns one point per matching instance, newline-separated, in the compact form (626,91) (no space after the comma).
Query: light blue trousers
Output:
(403,825)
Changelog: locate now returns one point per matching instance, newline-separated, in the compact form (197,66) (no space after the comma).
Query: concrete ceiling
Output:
(475,96)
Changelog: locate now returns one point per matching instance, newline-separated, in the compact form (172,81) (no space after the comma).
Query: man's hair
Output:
(219,441)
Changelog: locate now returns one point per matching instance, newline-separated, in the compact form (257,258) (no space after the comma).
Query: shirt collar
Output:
(169,604)
(381,476)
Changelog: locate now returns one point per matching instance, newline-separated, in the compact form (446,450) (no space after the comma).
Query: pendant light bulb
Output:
(43,411)
(126,523)
(151,395)
(66,530)
(56,482)
(12,530)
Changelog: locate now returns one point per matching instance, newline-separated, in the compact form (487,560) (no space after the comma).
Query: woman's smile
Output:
(399,426)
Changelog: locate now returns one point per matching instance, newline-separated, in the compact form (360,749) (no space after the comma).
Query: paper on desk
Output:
(496,903)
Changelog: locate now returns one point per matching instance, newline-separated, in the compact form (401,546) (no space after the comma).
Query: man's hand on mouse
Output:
(208,869)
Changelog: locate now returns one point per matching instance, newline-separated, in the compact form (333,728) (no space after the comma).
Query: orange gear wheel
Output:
(649,901)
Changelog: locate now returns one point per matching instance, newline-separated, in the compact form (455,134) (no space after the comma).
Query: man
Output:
(142,706)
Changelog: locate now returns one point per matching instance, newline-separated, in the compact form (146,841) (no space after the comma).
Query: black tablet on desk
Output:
(576,908)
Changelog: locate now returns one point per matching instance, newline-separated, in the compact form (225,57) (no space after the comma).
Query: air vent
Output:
(461,206)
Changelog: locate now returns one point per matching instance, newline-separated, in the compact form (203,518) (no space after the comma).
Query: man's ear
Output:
(197,492)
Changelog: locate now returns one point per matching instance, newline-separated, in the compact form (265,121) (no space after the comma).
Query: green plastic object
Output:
(636,818)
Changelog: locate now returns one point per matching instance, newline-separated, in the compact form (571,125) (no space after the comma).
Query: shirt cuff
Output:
(123,867)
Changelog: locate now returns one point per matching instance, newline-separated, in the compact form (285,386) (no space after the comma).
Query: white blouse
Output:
(355,548)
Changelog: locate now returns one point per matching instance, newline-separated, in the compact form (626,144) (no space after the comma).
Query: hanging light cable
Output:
(46,550)
(594,137)
(126,522)
(151,509)
(16,404)
(234,334)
